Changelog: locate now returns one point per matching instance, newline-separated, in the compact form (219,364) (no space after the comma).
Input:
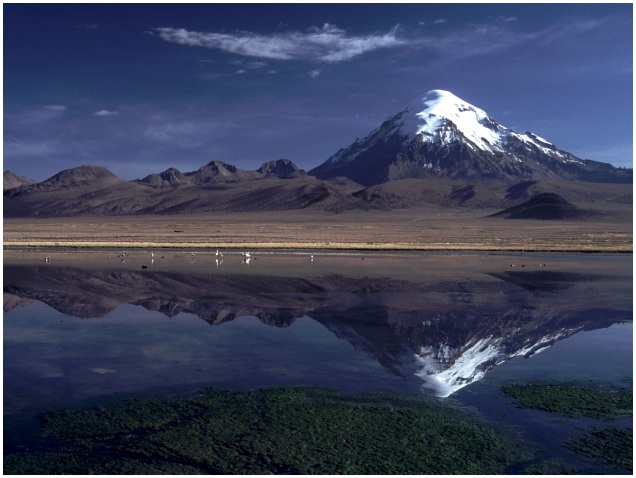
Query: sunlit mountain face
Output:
(446,333)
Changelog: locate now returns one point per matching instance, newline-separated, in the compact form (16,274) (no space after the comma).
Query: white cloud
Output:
(315,73)
(105,113)
(43,114)
(55,107)
(327,44)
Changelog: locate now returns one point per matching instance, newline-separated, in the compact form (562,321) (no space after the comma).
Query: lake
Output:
(85,327)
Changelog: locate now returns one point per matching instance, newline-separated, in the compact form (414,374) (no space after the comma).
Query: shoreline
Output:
(36,246)
(25,248)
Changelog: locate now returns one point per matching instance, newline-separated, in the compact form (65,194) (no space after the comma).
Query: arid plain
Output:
(407,229)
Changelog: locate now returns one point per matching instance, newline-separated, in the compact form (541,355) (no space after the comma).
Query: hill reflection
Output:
(457,330)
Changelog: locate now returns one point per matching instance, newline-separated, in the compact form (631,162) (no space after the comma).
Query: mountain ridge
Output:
(99,192)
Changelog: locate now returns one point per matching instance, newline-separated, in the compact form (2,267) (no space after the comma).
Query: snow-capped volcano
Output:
(439,134)
(439,115)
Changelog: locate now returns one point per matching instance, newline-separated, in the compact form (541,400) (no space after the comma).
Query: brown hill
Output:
(281,168)
(12,180)
(220,172)
(93,176)
(170,177)
(91,190)
(547,206)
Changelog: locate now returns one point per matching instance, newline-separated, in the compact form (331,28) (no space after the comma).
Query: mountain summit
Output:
(441,135)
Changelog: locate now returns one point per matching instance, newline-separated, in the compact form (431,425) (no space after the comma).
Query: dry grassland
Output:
(396,230)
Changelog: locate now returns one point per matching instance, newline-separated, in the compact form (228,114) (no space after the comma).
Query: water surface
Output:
(89,326)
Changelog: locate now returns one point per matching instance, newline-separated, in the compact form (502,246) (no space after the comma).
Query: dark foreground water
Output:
(88,327)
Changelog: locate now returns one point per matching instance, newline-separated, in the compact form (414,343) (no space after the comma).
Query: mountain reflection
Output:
(457,330)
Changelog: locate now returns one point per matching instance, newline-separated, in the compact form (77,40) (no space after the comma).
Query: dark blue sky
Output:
(140,88)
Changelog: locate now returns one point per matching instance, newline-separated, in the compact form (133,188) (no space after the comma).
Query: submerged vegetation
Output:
(574,400)
(290,430)
(278,430)
(610,445)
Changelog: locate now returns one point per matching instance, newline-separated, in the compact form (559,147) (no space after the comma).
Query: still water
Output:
(85,327)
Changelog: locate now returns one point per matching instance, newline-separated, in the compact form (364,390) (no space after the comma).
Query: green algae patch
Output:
(573,400)
(610,445)
(279,430)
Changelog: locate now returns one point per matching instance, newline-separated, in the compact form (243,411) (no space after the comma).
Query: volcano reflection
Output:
(456,330)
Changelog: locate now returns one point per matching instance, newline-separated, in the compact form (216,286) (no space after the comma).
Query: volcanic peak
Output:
(441,117)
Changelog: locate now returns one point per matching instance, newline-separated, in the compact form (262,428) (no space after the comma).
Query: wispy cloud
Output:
(55,107)
(19,148)
(43,114)
(105,113)
(328,43)
(497,36)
